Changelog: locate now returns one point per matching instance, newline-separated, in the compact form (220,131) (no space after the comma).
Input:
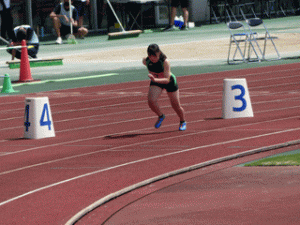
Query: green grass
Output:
(281,160)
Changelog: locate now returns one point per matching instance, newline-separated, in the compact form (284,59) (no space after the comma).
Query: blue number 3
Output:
(240,97)
(42,120)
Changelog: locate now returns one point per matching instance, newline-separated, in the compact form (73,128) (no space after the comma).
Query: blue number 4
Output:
(240,97)
(27,123)
(45,112)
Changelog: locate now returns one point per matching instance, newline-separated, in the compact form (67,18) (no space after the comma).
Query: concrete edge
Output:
(114,195)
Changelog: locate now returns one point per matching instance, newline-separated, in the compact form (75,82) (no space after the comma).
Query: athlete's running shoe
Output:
(182,126)
(159,121)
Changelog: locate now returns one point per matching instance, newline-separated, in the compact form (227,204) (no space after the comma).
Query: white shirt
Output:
(65,13)
(34,39)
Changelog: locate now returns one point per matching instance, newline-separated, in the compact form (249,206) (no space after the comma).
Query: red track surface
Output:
(105,140)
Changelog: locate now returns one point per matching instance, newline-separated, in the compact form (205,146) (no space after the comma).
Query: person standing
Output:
(6,20)
(161,78)
(61,21)
(184,6)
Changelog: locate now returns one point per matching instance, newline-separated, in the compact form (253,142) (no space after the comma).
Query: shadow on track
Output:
(137,134)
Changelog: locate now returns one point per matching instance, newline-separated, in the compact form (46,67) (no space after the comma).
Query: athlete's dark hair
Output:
(21,35)
(153,49)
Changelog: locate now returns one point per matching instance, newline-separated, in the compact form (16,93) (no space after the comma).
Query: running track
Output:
(105,139)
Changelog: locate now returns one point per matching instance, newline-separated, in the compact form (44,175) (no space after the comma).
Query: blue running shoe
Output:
(159,121)
(182,126)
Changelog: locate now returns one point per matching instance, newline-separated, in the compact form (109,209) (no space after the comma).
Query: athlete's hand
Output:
(151,77)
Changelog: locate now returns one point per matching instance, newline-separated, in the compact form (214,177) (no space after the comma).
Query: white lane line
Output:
(124,146)
(141,160)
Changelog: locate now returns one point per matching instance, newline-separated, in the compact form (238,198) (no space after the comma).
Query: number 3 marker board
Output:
(38,121)
(236,99)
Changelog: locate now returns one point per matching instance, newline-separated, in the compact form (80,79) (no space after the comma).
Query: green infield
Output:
(285,159)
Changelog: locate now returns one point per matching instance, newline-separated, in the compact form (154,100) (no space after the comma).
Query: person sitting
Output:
(62,21)
(24,32)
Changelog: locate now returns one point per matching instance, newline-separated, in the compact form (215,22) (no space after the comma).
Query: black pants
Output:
(32,52)
(7,24)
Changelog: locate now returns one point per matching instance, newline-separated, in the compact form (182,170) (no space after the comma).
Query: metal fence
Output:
(262,8)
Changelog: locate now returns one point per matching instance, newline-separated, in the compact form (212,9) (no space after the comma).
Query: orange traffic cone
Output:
(25,73)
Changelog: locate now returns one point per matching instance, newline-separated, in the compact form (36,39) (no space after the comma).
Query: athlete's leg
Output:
(56,25)
(173,15)
(82,32)
(153,95)
(175,102)
(185,16)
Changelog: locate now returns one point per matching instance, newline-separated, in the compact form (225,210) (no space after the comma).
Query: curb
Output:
(109,197)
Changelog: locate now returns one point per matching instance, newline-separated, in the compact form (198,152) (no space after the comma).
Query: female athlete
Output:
(161,78)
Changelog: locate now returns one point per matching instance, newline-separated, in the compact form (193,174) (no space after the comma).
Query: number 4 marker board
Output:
(38,121)
(236,99)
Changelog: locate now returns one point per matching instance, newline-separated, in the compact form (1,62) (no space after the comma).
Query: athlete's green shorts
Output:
(172,86)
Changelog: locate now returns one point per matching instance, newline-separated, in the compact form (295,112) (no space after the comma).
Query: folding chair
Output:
(217,10)
(255,24)
(240,39)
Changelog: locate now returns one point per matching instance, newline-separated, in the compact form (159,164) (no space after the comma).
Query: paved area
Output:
(224,193)
(228,196)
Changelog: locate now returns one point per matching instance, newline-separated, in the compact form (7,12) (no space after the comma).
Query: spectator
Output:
(184,5)
(24,32)
(80,5)
(61,21)
(6,20)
